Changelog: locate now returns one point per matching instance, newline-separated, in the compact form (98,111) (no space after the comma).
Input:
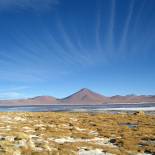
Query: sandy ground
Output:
(63,133)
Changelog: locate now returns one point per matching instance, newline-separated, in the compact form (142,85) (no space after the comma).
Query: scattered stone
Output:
(139,113)
(92,152)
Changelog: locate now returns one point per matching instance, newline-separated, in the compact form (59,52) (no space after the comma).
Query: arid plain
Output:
(64,133)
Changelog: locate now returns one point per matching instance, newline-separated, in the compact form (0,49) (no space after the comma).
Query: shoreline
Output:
(116,108)
(98,104)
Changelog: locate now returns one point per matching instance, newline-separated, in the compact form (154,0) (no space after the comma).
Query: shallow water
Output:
(129,125)
(150,107)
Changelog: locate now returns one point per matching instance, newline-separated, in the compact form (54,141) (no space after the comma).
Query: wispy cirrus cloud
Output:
(16,88)
(110,36)
(27,4)
(12,92)
(123,41)
(9,95)
(73,54)
(98,28)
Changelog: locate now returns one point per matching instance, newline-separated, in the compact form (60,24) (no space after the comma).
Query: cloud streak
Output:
(98,28)
(126,27)
(13,92)
(71,50)
(27,4)
(19,88)
(111,23)
(9,95)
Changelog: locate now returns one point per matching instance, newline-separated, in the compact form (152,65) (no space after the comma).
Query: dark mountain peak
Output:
(85,96)
(85,90)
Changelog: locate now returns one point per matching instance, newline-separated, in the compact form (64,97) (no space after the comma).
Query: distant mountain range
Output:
(84,96)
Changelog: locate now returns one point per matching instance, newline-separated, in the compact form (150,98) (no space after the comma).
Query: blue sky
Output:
(55,47)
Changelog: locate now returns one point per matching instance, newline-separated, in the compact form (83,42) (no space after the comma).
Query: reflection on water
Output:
(129,125)
(81,108)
